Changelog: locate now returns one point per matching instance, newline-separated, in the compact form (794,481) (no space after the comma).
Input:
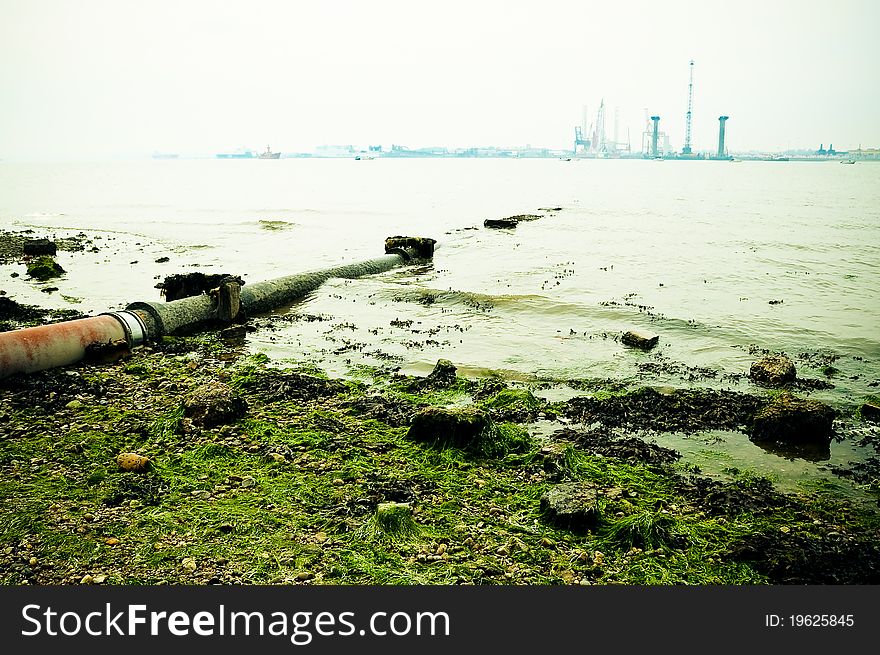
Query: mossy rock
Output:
(44,268)
(774,371)
(214,403)
(514,398)
(789,419)
(468,428)
(571,505)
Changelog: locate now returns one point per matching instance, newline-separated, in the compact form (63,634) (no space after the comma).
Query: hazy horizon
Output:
(99,79)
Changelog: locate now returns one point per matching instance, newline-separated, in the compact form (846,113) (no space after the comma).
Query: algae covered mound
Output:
(44,268)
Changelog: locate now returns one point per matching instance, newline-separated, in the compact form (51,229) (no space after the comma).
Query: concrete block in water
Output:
(640,339)
(36,247)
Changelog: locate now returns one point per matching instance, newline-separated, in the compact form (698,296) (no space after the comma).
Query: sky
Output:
(123,78)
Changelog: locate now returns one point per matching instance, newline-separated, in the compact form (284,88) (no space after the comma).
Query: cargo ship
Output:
(269,154)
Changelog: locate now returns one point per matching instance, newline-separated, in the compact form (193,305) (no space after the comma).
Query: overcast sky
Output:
(106,78)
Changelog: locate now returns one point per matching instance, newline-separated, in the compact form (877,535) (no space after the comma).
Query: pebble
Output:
(33,561)
(248,482)
(189,564)
(441,549)
(278,457)
(74,404)
(302,577)
(112,541)
(87,579)
(321,537)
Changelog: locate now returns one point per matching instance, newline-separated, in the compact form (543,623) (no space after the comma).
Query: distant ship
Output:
(269,154)
(165,155)
(239,154)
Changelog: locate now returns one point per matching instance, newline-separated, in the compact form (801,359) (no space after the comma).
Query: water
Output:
(694,251)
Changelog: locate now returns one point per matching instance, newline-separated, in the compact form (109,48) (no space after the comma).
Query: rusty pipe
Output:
(34,349)
(59,344)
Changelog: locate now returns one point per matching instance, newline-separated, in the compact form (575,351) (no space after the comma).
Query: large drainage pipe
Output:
(60,344)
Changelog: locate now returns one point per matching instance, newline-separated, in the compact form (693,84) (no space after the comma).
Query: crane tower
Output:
(687,132)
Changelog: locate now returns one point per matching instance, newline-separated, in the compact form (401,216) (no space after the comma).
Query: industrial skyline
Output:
(103,79)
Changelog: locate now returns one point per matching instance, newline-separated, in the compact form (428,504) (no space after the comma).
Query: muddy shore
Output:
(267,474)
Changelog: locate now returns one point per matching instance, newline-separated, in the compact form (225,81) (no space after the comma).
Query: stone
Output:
(443,373)
(44,268)
(571,505)
(500,223)
(75,404)
(468,428)
(132,462)
(793,420)
(36,247)
(640,339)
(871,411)
(423,247)
(213,404)
(774,370)
(189,564)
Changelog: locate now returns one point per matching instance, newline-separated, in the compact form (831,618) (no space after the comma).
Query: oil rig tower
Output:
(687,132)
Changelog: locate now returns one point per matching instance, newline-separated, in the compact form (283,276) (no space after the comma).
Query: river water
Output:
(692,250)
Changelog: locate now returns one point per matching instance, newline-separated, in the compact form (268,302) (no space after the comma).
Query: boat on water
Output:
(165,155)
(847,161)
(269,154)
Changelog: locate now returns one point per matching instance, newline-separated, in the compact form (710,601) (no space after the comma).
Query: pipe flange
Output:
(133,326)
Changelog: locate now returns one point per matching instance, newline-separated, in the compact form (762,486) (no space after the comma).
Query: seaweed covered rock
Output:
(774,371)
(469,428)
(443,374)
(571,505)
(422,247)
(44,268)
(214,403)
(789,419)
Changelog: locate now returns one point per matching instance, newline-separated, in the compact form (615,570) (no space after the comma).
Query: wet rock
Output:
(443,374)
(640,339)
(789,419)
(233,333)
(466,428)
(214,404)
(37,247)
(184,285)
(44,268)
(422,246)
(571,505)
(871,411)
(132,462)
(500,223)
(774,370)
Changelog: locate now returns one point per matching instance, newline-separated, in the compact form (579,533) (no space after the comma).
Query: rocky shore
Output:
(193,461)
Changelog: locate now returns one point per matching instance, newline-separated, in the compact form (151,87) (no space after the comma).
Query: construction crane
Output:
(687,132)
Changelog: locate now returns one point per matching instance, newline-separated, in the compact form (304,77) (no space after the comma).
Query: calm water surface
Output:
(694,251)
